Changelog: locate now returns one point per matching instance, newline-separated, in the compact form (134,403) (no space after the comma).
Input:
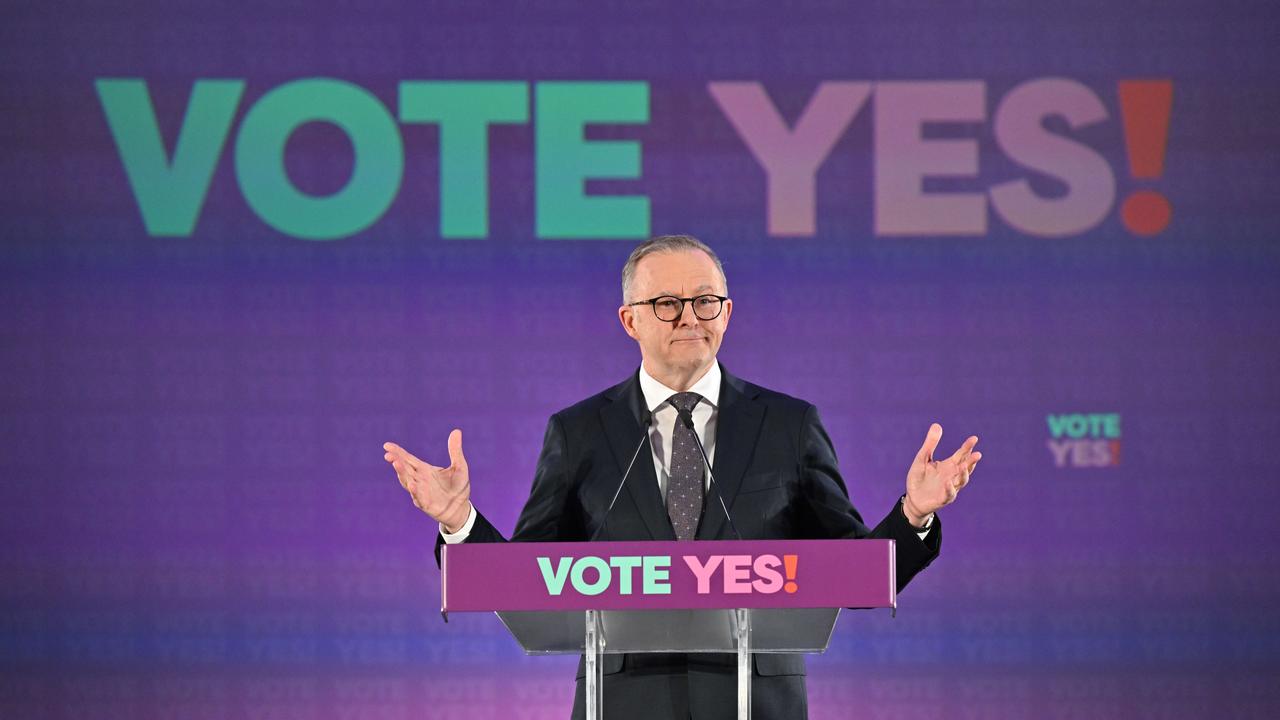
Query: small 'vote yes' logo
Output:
(1084,440)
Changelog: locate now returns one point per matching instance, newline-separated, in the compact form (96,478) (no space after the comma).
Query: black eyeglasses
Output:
(669,307)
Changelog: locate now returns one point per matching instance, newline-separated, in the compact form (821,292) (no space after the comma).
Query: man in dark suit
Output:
(773,466)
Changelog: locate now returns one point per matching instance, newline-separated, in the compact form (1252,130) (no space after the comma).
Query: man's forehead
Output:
(678,269)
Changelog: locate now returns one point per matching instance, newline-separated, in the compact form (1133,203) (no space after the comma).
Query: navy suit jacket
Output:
(777,472)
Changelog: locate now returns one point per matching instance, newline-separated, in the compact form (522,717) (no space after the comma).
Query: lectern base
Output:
(594,641)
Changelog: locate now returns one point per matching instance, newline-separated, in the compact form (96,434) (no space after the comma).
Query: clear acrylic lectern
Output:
(742,597)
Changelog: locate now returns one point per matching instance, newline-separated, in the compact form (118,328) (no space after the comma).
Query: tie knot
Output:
(684,401)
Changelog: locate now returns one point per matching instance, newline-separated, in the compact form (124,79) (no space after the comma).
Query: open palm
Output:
(444,493)
(932,484)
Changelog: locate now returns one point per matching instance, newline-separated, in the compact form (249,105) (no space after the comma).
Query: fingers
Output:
(966,470)
(456,459)
(395,451)
(930,443)
(395,455)
(965,448)
(408,479)
(405,464)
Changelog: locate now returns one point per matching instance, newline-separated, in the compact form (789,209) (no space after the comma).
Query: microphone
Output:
(646,418)
(686,417)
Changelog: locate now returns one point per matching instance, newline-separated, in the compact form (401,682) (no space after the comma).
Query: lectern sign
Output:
(668,575)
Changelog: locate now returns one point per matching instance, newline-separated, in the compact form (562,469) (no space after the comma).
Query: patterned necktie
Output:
(684,486)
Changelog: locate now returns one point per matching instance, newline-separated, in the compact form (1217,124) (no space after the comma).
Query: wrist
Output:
(457,520)
(915,518)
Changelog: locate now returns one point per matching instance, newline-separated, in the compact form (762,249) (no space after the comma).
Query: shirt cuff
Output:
(465,530)
(922,534)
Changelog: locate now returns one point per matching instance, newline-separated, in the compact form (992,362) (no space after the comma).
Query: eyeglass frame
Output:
(653,305)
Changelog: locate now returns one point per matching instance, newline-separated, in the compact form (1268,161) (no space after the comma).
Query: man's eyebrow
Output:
(673,293)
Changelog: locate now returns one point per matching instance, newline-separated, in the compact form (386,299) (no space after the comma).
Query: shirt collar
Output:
(655,393)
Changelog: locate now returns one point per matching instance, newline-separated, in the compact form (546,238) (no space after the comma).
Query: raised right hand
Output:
(442,493)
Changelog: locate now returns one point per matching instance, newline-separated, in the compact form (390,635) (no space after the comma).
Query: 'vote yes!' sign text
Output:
(668,575)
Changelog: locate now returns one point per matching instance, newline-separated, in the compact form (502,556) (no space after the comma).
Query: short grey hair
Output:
(666,243)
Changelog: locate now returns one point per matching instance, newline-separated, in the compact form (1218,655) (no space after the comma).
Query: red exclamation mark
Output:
(1145,106)
(790,562)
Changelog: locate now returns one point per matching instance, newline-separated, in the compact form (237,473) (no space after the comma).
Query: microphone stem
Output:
(686,416)
(648,419)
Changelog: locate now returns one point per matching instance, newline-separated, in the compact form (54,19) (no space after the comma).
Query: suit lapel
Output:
(622,426)
(737,428)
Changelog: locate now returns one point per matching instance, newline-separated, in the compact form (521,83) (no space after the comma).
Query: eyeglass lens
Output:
(705,307)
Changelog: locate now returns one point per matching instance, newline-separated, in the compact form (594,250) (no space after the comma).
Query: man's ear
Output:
(627,316)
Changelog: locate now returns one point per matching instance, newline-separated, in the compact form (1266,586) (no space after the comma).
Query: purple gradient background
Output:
(195,517)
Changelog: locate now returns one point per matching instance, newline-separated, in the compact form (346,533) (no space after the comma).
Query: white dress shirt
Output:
(656,397)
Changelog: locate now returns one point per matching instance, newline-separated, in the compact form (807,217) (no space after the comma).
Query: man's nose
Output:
(686,314)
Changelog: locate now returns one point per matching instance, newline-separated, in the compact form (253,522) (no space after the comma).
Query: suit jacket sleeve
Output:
(832,514)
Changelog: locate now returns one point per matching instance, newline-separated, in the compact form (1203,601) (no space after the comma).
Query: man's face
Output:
(686,344)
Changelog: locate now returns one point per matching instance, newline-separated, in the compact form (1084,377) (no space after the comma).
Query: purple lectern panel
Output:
(668,575)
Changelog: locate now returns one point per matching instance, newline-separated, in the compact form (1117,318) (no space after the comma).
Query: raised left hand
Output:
(932,484)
